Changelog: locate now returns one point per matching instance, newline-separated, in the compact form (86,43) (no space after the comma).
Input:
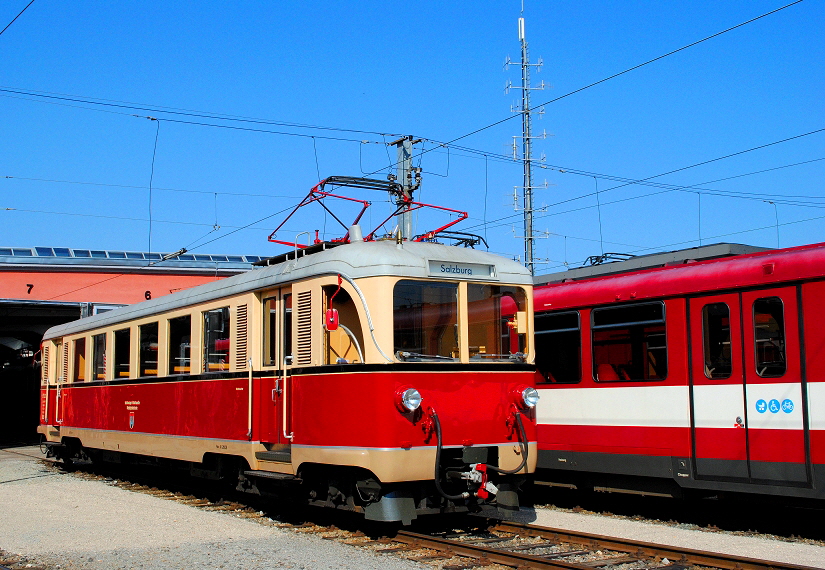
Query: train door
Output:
(720,443)
(277,353)
(746,387)
(777,426)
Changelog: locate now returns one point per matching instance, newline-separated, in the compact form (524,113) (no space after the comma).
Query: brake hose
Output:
(466,495)
(437,425)
(524,450)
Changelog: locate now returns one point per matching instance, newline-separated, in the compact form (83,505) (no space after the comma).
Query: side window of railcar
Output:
(629,342)
(559,346)
(79,374)
(494,312)
(216,340)
(123,352)
(425,320)
(769,336)
(180,339)
(149,349)
(343,345)
(716,340)
(99,357)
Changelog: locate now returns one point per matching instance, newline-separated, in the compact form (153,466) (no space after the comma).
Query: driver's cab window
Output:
(344,337)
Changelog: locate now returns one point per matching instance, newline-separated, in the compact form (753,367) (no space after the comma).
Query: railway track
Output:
(502,545)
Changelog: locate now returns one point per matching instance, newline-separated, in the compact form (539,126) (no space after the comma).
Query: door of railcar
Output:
(746,387)
(774,386)
(720,443)
(277,352)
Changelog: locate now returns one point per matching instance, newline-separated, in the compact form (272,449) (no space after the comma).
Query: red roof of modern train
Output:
(755,269)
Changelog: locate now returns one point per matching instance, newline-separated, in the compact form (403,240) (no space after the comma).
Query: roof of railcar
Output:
(766,268)
(356,260)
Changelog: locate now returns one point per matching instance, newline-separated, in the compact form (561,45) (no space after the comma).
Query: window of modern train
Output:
(180,339)
(629,343)
(149,349)
(99,357)
(769,336)
(493,328)
(559,346)
(716,340)
(216,340)
(79,360)
(123,352)
(425,320)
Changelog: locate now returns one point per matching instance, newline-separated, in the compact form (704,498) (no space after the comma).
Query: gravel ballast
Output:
(648,531)
(54,519)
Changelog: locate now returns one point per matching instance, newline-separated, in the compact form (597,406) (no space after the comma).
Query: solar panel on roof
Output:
(44,252)
(117,255)
(133,255)
(82,253)
(21,252)
(5,251)
(98,253)
(62,252)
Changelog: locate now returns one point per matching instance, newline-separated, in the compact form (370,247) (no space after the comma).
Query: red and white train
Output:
(700,376)
(389,377)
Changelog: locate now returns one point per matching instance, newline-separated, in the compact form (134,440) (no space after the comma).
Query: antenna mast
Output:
(527,152)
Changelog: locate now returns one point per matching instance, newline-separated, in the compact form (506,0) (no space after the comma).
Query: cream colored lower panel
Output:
(394,465)
(168,447)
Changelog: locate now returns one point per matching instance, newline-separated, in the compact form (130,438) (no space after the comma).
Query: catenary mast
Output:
(526,141)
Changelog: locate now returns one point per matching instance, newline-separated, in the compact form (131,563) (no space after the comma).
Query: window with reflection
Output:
(149,349)
(497,321)
(216,340)
(123,352)
(425,320)
(99,357)
(629,342)
(559,346)
(769,336)
(180,341)
(716,340)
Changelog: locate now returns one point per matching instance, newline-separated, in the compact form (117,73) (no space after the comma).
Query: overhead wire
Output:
(671,187)
(15,18)
(176,111)
(619,74)
(155,188)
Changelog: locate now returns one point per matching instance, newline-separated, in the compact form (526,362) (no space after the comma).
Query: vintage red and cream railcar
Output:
(705,376)
(391,378)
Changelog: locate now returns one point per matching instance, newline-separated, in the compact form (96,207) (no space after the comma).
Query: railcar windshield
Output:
(493,312)
(425,320)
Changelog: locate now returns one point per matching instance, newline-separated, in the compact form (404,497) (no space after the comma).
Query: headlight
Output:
(408,399)
(530,397)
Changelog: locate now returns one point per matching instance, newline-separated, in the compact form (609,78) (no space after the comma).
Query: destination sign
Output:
(461,270)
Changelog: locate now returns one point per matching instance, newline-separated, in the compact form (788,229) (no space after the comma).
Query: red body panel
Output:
(340,409)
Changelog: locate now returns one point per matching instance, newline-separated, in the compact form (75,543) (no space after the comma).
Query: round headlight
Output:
(411,399)
(530,396)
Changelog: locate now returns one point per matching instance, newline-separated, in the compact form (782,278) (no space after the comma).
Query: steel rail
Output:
(648,549)
(632,550)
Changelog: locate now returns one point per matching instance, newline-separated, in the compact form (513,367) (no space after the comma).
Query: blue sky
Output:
(74,174)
